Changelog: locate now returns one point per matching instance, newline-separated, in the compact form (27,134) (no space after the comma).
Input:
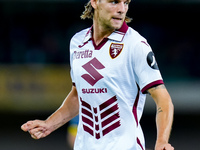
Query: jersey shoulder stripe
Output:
(78,38)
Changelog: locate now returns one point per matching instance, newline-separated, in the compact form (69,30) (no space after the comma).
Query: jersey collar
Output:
(117,35)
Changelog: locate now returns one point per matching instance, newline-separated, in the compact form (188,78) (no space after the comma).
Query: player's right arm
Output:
(69,109)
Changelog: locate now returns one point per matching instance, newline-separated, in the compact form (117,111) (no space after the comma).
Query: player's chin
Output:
(117,25)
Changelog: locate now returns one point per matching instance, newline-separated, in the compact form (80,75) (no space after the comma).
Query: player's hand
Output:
(37,129)
(160,146)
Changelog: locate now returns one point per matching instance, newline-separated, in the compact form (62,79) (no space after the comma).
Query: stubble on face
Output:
(108,15)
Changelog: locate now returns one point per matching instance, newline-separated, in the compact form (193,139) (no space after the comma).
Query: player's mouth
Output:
(116,18)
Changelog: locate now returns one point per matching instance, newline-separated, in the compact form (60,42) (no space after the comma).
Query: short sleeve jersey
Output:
(111,80)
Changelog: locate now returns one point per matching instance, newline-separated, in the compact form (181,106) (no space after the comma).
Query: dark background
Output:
(38,32)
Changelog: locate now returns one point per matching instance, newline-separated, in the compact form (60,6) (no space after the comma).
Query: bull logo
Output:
(115,50)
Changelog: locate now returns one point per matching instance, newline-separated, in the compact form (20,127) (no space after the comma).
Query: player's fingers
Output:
(168,147)
(34,124)
(37,135)
(41,135)
(36,130)
(34,136)
(26,126)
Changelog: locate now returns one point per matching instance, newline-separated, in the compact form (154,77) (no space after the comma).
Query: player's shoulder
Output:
(80,35)
(78,38)
(138,45)
(136,39)
(134,36)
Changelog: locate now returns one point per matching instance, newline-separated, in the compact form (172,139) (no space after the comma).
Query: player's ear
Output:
(94,3)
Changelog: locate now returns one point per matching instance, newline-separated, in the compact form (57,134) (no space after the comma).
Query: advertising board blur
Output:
(33,87)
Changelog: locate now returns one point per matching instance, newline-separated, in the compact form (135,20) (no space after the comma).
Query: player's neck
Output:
(100,32)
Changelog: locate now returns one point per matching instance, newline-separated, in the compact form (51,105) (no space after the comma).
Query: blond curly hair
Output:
(89,13)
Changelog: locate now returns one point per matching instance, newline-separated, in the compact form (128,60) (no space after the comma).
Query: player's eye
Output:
(114,1)
(127,2)
(117,1)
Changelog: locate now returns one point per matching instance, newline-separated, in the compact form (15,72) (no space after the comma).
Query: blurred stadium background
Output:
(34,65)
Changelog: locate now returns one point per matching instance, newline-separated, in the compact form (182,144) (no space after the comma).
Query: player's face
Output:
(111,13)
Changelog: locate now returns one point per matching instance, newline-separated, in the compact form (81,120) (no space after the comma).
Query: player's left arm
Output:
(164,116)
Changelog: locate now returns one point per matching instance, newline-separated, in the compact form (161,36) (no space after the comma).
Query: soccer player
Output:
(112,70)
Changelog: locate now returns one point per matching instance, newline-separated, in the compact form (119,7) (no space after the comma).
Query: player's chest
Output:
(109,59)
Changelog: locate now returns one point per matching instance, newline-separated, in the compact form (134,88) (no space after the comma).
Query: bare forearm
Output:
(69,109)
(164,119)
(164,116)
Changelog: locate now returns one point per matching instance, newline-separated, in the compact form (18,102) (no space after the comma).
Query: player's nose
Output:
(121,7)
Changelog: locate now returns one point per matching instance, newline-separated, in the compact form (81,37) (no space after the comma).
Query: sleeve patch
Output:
(151,60)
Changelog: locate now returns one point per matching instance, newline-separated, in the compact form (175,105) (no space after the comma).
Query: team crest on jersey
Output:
(115,50)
